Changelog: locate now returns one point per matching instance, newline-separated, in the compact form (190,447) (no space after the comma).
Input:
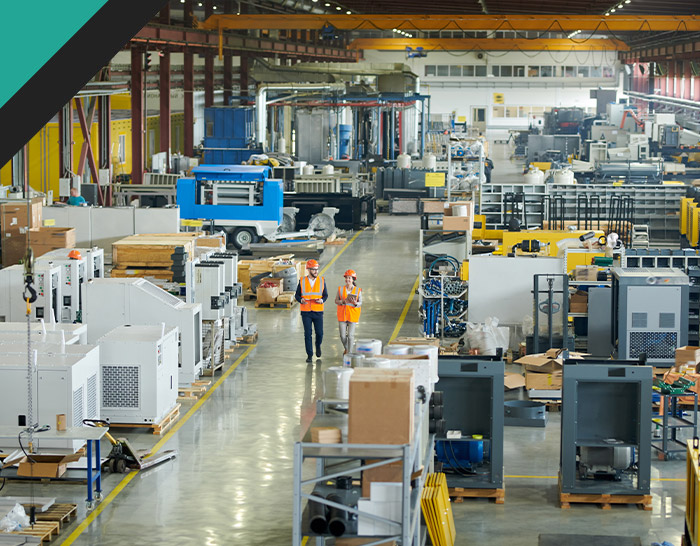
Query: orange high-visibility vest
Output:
(312,291)
(347,313)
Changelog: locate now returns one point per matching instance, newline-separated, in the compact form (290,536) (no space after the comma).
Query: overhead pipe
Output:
(261,101)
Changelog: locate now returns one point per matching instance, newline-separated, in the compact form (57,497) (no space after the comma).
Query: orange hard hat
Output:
(74,255)
(350,273)
(311,263)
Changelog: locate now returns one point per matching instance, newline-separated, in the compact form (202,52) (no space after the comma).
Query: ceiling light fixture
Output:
(612,10)
(327,4)
(213,7)
(338,8)
(348,12)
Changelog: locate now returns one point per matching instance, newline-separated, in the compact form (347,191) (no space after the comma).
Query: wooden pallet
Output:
(551,405)
(158,428)
(58,513)
(339,241)
(276,304)
(209,372)
(44,530)
(194,391)
(249,339)
(461,493)
(605,501)
(248,295)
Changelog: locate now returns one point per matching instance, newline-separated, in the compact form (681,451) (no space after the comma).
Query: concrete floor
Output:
(232,481)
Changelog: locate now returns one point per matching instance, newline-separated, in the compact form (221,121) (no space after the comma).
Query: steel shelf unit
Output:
(672,421)
(492,204)
(334,460)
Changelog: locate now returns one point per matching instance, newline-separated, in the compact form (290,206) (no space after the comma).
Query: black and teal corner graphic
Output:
(50,50)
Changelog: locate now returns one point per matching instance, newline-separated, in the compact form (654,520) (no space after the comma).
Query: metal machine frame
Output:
(48,286)
(73,275)
(606,405)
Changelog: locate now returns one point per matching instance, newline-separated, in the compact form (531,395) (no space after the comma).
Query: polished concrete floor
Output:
(232,480)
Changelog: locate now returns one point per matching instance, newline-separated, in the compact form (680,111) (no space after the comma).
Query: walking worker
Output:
(311,294)
(349,302)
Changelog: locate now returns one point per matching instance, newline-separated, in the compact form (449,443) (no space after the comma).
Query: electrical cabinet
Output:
(209,289)
(41,328)
(650,313)
(73,275)
(67,383)
(48,286)
(231,286)
(94,259)
(139,368)
(110,303)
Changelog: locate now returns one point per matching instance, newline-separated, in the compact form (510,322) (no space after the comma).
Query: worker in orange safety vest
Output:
(349,302)
(311,294)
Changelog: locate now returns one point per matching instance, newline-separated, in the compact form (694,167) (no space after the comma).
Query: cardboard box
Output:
(433,206)
(469,204)
(540,363)
(543,381)
(325,435)
(61,421)
(13,216)
(458,223)
(267,295)
(687,354)
(382,474)
(586,273)
(415,341)
(44,466)
(14,246)
(45,239)
(513,381)
(381,406)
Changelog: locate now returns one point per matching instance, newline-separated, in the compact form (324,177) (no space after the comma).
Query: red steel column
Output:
(164,15)
(137,128)
(688,74)
(164,110)
(189,103)
(209,78)
(244,73)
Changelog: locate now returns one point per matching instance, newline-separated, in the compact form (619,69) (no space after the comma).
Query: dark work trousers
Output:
(316,318)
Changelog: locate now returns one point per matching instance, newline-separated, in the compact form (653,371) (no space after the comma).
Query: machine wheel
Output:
(98,496)
(89,506)
(110,465)
(120,467)
(243,236)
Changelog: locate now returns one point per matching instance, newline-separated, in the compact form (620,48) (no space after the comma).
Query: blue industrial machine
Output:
(241,199)
(229,135)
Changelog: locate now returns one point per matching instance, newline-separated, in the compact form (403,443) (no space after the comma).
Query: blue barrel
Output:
(344,136)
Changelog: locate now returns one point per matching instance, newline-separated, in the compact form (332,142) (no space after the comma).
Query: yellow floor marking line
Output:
(329,264)
(406,307)
(125,481)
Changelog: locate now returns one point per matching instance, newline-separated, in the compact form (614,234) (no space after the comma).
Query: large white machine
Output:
(58,337)
(209,289)
(139,366)
(73,275)
(232,287)
(67,383)
(40,328)
(109,303)
(94,258)
(47,283)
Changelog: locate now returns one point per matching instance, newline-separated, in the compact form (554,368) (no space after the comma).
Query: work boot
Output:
(310,358)
(318,351)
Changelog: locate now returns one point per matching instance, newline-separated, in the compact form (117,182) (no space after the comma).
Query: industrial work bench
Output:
(92,436)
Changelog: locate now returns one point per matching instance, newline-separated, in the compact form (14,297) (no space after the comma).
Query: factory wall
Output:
(42,153)
(511,86)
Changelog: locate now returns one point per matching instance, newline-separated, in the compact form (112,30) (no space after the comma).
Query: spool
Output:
(397,350)
(403,161)
(384,363)
(328,169)
(429,162)
(307,170)
(459,210)
(336,381)
(368,347)
(353,360)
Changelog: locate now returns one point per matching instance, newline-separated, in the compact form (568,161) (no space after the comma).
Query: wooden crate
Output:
(151,250)
(157,273)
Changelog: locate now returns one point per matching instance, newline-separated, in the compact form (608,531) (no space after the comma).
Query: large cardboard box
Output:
(381,406)
(687,354)
(14,246)
(469,204)
(543,381)
(45,239)
(540,363)
(579,302)
(13,216)
(458,223)
(433,206)
(44,466)
(513,381)
(586,273)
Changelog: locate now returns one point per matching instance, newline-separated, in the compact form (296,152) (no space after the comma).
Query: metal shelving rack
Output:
(493,204)
(335,460)
(672,421)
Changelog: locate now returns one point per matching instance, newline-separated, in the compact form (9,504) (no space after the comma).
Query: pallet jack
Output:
(123,458)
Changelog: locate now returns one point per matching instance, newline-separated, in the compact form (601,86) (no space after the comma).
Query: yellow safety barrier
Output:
(692,501)
(437,511)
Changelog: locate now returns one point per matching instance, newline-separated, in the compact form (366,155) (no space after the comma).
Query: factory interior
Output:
(340,273)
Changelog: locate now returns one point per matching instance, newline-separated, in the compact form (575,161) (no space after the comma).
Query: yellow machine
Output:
(547,238)
(690,220)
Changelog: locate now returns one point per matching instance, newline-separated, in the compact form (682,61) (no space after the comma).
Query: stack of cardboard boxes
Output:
(451,222)
(543,371)
(15,222)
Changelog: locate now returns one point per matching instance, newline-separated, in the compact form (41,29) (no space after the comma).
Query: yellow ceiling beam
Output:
(553,23)
(487,44)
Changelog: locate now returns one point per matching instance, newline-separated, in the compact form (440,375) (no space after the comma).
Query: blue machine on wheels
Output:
(241,199)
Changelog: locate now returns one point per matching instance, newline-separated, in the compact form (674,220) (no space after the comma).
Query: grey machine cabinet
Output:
(649,313)
(472,390)
(605,432)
